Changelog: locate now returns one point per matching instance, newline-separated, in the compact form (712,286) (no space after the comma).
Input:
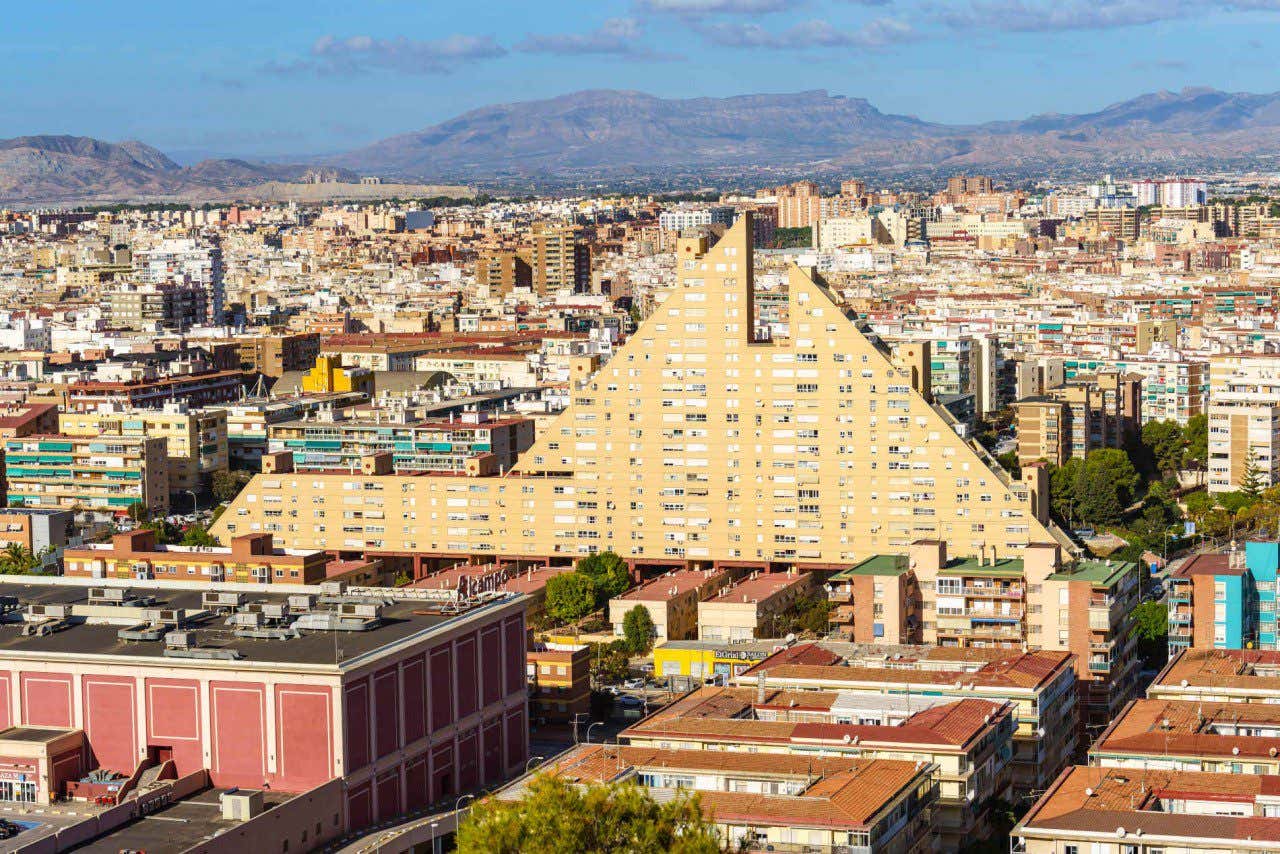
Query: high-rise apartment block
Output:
(705,439)
(1244,420)
(102,473)
(501,270)
(963,185)
(186,260)
(558,258)
(799,204)
(195,439)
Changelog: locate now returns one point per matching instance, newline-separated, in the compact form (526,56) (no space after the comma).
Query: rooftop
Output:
(401,619)
(876,565)
(671,585)
(1193,728)
(1177,806)
(759,587)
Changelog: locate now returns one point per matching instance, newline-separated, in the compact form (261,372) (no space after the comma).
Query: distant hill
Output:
(82,169)
(617,131)
(608,133)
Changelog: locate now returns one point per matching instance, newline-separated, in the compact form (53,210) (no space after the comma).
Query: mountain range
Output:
(608,134)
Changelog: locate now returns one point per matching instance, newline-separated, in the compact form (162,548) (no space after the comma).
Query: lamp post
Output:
(195,502)
(530,761)
(434,825)
(593,726)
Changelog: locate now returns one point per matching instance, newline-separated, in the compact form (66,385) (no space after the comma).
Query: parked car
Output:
(633,684)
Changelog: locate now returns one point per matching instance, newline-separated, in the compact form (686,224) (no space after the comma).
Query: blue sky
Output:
(259,78)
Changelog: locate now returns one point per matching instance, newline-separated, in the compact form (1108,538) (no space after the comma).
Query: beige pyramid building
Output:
(701,440)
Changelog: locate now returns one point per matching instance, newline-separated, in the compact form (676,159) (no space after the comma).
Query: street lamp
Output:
(593,726)
(530,760)
(457,807)
(434,825)
(195,502)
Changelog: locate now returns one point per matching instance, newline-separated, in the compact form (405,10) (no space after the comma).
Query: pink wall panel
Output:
(304,736)
(415,699)
(416,789)
(46,699)
(444,777)
(356,702)
(517,733)
(441,694)
(469,760)
(173,721)
(238,720)
(360,806)
(514,640)
(388,792)
(6,700)
(110,721)
(468,675)
(493,674)
(491,757)
(386,705)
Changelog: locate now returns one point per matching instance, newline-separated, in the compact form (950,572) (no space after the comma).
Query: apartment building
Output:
(682,218)
(701,440)
(273,355)
(189,261)
(752,607)
(559,258)
(502,270)
(671,600)
(248,421)
(799,204)
(26,419)
(559,683)
(164,305)
(103,473)
(963,185)
(1213,604)
(771,802)
(1140,811)
(969,741)
(1187,735)
(252,558)
(887,583)
(1244,420)
(1220,675)
(37,530)
(336,439)
(1172,389)
(196,387)
(1040,687)
(1032,601)
(1087,413)
(195,439)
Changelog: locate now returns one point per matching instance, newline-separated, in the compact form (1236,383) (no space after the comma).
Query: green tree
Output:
(610,662)
(1196,443)
(138,512)
(1009,461)
(556,816)
(198,535)
(1166,443)
(1062,491)
(793,238)
(1151,628)
(1252,480)
(571,596)
(227,484)
(638,630)
(16,559)
(608,572)
(1105,486)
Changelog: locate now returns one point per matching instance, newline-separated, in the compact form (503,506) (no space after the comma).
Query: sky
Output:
(288,77)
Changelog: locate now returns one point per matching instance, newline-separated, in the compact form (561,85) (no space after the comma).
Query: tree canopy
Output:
(638,629)
(571,596)
(1095,490)
(558,817)
(608,572)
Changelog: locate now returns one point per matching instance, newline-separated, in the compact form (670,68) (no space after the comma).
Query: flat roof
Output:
(876,565)
(177,827)
(760,587)
(401,619)
(1003,567)
(1101,573)
(31,733)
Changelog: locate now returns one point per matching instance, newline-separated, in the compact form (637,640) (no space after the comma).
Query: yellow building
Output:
(329,377)
(196,439)
(702,440)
